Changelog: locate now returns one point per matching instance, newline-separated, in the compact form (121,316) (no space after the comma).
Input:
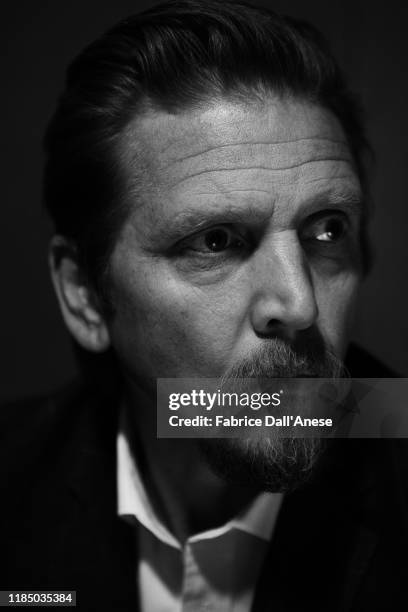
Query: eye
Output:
(329,228)
(215,240)
(333,230)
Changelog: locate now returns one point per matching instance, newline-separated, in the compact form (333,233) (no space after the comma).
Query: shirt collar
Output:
(258,518)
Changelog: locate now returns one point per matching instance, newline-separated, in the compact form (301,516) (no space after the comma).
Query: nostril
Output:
(276,329)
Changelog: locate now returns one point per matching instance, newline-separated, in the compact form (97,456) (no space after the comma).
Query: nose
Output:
(283,299)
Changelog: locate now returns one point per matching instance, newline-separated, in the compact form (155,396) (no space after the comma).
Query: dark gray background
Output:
(40,38)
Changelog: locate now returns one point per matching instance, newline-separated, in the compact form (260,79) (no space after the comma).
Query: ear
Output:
(77,302)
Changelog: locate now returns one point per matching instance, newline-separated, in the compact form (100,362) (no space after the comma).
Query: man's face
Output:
(248,231)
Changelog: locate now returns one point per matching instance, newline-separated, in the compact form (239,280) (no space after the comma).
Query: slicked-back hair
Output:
(175,56)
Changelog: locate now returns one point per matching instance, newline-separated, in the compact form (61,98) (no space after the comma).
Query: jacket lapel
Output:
(323,541)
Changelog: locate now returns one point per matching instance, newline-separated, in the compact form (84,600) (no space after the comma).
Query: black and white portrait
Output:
(206,191)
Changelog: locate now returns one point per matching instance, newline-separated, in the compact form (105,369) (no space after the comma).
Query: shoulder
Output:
(33,435)
(33,417)
(23,414)
(361,364)
(57,486)
(38,434)
(36,415)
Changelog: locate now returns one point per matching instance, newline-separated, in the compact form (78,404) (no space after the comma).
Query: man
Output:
(205,173)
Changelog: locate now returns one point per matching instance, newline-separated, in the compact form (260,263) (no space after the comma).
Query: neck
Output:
(185,493)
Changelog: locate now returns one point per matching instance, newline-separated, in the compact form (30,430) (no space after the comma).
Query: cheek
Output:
(164,327)
(337,304)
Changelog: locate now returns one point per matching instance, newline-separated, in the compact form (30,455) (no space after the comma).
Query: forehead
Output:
(280,149)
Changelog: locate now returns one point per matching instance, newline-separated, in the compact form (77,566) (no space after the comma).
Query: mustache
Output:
(277,358)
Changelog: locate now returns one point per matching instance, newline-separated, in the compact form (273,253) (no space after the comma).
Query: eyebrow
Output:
(351,201)
(192,220)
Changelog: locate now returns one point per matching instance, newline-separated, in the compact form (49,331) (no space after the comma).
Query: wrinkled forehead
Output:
(226,131)
(281,148)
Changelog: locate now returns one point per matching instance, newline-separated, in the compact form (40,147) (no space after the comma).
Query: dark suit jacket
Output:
(340,543)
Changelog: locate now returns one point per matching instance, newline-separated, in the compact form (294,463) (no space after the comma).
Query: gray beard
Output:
(274,464)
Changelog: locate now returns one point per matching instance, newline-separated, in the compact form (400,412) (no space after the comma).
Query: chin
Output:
(273,465)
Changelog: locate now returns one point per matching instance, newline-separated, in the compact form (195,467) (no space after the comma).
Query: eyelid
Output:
(327,212)
(211,228)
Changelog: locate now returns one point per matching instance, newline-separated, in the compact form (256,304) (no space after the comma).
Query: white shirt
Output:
(215,570)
